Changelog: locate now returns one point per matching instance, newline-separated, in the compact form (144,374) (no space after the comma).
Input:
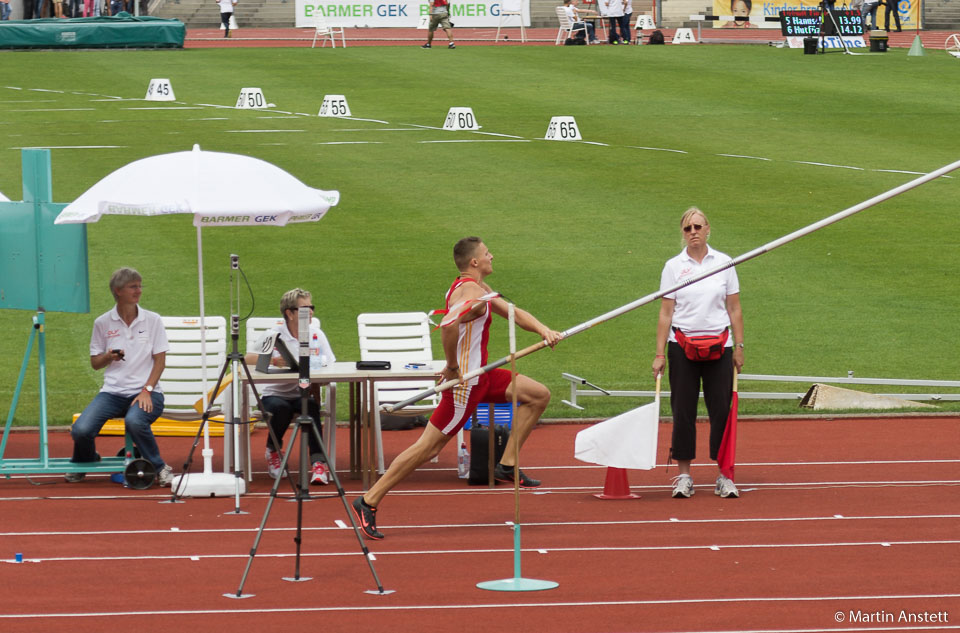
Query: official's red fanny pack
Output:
(702,348)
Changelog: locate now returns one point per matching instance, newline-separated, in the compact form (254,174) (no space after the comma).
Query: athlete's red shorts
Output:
(458,404)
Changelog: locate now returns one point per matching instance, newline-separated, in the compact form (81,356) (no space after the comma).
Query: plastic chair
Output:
(401,338)
(326,32)
(510,8)
(566,27)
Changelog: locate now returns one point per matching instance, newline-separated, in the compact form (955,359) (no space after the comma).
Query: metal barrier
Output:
(577,389)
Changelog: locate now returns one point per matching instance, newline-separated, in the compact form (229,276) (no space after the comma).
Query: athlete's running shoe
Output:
(505,474)
(682,486)
(366,518)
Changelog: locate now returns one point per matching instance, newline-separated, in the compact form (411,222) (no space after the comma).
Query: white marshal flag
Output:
(628,440)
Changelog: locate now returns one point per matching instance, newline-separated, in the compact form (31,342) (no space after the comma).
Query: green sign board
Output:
(43,266)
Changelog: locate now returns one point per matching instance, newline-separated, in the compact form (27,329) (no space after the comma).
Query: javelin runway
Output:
(842,525)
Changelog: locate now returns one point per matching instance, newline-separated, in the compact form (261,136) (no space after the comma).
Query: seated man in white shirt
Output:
(282,401)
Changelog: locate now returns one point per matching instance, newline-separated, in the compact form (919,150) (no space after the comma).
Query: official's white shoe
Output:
(726,488)
(682,486)
(320,474)
(274,460)
(165,476)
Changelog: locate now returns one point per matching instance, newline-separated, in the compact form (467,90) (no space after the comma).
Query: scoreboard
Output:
(806,23)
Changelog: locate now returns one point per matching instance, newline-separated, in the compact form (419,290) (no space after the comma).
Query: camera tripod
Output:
(831,28)
(304,425)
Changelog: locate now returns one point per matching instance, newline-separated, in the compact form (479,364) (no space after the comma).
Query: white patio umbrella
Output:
(219,189)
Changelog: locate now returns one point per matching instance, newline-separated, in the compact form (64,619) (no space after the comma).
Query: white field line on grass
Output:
(428,127)
(617,524)
(355,608)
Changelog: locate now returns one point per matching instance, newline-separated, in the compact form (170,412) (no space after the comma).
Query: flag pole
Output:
(607,316)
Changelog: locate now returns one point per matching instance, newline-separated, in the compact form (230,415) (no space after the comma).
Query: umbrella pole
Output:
(207,452)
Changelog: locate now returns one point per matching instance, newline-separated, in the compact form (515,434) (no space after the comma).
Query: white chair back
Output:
(401,338)
(182,378)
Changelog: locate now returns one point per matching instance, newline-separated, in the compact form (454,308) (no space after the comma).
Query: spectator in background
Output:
(4,9)
(625,21)
(577,18)
(869,10)
(613,11)
(226,12)
(892,7)
(440,16)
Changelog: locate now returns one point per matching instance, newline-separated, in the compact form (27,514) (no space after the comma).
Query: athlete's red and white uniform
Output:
(458,404)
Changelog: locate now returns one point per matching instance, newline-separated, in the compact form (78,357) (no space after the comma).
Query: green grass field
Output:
(576,229)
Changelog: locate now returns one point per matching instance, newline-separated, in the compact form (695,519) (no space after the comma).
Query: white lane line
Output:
(647,522)
(495,134)
(45,90)
(524,605)
(658,149)
(501,550)
(262,131)
(54,110)
(744,156)
(72,147)
(353,118)
(807,162)
(480,140)
(388,129)
(164,108)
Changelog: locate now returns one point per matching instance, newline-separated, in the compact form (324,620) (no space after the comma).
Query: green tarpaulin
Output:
(118,31)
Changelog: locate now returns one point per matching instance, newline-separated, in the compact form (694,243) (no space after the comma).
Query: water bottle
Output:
(463,461)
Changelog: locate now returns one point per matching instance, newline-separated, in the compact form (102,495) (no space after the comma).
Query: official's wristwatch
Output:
(148,388)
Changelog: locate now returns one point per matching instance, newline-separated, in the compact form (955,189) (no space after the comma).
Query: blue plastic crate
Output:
(502,414)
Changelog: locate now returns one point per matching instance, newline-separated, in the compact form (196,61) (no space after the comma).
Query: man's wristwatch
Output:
(740,345)
(148,388)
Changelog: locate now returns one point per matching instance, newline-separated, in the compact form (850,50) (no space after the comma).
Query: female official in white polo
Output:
(707,307)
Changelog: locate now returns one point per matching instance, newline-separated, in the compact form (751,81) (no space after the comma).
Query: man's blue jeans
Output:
(107,405)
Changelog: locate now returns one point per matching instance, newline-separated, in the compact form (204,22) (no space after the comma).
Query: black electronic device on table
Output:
(271,341)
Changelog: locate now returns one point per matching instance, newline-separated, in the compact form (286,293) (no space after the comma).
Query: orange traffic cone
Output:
(616,485)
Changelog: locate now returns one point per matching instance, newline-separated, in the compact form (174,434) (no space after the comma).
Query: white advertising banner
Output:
(406,14)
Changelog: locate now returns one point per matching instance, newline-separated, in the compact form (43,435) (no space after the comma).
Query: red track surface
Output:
(291,37)
(838,519)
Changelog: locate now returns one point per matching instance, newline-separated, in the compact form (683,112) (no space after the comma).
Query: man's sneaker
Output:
(274,461)
(451,45)
(74,477)
(425,46)
(165,476)
(366,518)
(682,486)
(320,474)
(505,474)
(726,488)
